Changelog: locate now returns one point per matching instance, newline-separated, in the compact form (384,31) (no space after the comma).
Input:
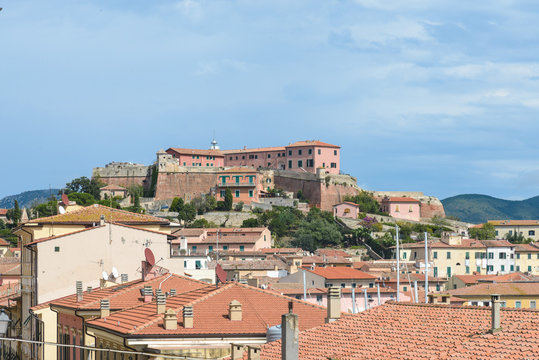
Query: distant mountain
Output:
(28,198)
(477,208)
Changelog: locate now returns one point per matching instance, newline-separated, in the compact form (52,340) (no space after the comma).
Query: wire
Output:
(90,348)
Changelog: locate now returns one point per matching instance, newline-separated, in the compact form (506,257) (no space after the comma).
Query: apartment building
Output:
(527,258)
(526,228)
(197,157)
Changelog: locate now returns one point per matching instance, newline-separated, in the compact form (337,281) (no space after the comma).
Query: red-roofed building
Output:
(346,209)
(402,208)
(460,281)
(197,158)
(324,277)
(308,155)
(245,184)
(201,323)
(418,331)
(3,215)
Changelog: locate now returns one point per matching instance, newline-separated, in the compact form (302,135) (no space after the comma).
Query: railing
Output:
(237,184)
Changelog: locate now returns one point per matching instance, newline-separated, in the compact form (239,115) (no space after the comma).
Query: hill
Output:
(477,208)
(28,198)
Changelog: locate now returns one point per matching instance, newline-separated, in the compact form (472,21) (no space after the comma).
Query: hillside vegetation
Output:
(475,208)
(28,198)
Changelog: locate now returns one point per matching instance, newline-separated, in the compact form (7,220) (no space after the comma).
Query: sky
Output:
(422,95)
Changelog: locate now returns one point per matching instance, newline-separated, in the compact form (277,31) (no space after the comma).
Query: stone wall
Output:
(232,218)
(187,185)
(123,174)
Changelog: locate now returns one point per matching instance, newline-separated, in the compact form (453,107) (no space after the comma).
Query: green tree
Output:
(136,203)
(210,203)
(83,199)
(188,213)
(317,233)
(202,223)
(485,232)
(516,237)
(14,214)
(177,204)
(366,201)
(228,200)
(113,203)
(239,206)
(250,223)
(84,185)
(45,209)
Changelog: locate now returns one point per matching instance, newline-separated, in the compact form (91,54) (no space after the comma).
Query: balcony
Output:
(237,184)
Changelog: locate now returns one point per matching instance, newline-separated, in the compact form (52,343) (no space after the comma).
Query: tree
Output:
(46,209)
(516,237)
(211,203)
(188,213)
(83,199)
(250,223)
(136,203)
(14,214)
(366,201)
(228,200)
(177,204)
(84,185)
(202,223)
(239,206)
(317,233)
(485,232)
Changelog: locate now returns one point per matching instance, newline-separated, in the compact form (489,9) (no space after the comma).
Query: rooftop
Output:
(503,289)
(527,247)
(249,265)
(92,215)
(112,187)
(260,309)
(341,272)
(183,151)
(474,279)
(514,222)
(400,199)
(312,143)
(419,331)
(263,149)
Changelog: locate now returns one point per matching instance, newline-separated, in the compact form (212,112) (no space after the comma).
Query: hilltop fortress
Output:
(312,167)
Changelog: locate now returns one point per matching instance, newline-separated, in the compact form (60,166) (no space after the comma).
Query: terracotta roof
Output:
(332,252)
(10,268)
(249,265)
(347,203)
(497,243)
(419,331)
(236,230)
(474,279)
(341,272)
(264,149)
(299,290)
(464,243)
(227,240)
(326,260)
(189,232)
(526,247)
(506,288)
(312,143)
(260,309)
(3,212)
(282,250)
(3,242)
(196,152)
(92,214)
(400,199)
(113,187)
(514,222)
(127,295)
(413,277)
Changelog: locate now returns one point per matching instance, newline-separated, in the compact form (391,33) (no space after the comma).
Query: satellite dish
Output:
(61,210)
(148,254)
(105,275)
(115,272)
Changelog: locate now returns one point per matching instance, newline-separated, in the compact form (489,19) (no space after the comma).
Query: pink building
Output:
(307,155)
(195,157)
(202,241)
(402,208)
(346,210)
(244,183)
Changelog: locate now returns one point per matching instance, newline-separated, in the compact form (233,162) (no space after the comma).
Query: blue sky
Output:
(422,95)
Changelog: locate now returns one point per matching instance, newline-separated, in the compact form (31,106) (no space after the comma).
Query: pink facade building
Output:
(308,156)
(195,157)
(244,183)
(346,209)
(402,208)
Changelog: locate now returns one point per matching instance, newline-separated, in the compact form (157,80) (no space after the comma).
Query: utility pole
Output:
(398,261)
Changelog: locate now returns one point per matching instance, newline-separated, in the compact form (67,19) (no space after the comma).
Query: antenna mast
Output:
(398,261)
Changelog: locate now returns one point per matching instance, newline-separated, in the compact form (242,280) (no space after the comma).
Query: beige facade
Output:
(527,258)
(526,228)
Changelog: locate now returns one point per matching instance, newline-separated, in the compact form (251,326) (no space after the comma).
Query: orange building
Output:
(244,183)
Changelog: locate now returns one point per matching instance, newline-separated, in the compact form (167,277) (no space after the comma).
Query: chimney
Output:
(102,220)
(237,351)
(147,293)
(79,290)
(124,278)
(161,303)
(496,305)
(172,292)
(188,317)
(89,289)
(334,304)
(171,321)
(234,310)
(104,308)
(290,336)
(253,352)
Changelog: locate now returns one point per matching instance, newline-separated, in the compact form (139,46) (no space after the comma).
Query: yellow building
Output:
(513,294)
(527,258)
(526,228)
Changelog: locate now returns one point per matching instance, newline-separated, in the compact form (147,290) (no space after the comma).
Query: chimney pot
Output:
(188,319)
(125,278)
(102,220)
(104,308)
(496,306)
(79,290)
(253,352)
(89,289)
(290,337)
(334,304)
(172,292)
(161,303)
(147,293)
(237,351)
(170,320)
(234,310)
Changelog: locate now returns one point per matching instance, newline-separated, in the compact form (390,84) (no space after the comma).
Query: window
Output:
(56,249)
(405,288)
(449,271)
(496,232)
(396,208)
(437,287)
(198,265)
(319,299)
(512,268)
(490,268)
(242,248)
(533,304)
(502,255)
(223,193)
(185,264)
(510,232)
(531,233)
(353,285)
(467,269)
(478,269)
(404,255)
(250,193)
(333,165)
(319,151)
(502,268)
(237,193)
(503,304)
(435,255)
(529,256)
(518,256)
(184,163)
(343,285)
(299,152)
(243,157)
(310,151)
(269,156)
(300,163)
(529,268)
(335,152)
(289,152)
(537,256)
(518,267)
(194,248)
(518,304)
(467,255)
(310,163)
(448,255)
(415,254)
(491,255)
(225,247)
(435,271)
(290,164)
(371,285)
(410,209)
(210,248)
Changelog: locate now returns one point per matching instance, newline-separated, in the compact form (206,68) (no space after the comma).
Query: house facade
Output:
(244,184)
(346,210)
(526,228)
(325,277)
(402,208)
(527,258)
(197,157)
